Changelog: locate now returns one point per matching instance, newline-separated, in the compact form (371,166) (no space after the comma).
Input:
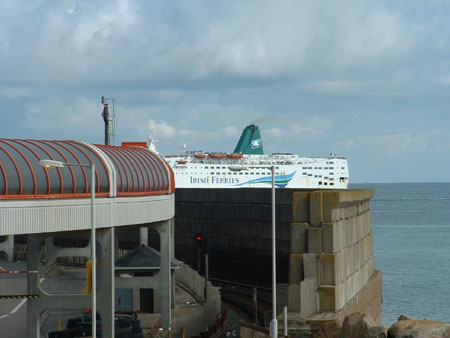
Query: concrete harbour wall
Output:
(324,245)
(339,255)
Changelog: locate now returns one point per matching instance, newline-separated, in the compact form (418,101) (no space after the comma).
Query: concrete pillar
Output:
(143,235)
(8,247)
(165,284)
(116,242)
(105,284)
(33,311)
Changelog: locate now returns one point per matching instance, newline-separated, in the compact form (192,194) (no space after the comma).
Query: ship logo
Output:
(256,143)
(281,181)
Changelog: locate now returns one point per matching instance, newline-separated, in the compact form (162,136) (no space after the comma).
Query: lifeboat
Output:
(235,156)
(181,162)
(216,155)
(199,155)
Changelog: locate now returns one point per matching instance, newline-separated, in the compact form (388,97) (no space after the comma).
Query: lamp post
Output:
(58,164)
(273,323)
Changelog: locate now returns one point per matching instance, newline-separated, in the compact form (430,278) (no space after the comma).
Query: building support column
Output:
(143,236)
(105,268)
(165,284)
(33,311)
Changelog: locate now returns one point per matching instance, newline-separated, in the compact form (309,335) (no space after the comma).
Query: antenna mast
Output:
(110,120)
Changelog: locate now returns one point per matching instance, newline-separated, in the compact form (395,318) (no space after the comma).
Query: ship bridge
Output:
(134,186)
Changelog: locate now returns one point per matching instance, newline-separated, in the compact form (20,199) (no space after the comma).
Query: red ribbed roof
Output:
(137,170)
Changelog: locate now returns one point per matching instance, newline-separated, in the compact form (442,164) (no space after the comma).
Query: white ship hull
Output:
(291,171)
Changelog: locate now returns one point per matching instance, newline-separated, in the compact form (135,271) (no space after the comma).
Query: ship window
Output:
(320,182)
(309,167)
(304,174)
(316,168)
(206,167)
(342,168)
(331,174)
(277,167)
(326,183)
(223,168)
(240,173)
(309,174)
(331,183)
(304,167)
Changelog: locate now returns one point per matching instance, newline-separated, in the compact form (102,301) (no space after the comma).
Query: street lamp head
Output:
(51,164)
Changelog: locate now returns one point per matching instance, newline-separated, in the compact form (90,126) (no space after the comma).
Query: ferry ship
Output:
(196,169)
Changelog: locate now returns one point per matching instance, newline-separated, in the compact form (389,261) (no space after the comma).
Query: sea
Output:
(411,228)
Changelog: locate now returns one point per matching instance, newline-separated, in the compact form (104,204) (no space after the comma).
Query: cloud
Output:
(14,92)
(57,119)
(276,133)
(75,42)
(230,131)
(345,145)
(365,77)
(395,144)
(163,129)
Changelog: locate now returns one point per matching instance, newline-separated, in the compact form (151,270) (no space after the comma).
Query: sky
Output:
(368,80)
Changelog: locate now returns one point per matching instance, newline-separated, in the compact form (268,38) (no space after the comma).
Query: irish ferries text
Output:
(214,180)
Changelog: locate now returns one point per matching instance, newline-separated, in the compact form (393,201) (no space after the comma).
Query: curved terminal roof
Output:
(120,170)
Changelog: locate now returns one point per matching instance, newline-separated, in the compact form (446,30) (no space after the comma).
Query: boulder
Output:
(415,328)
(376,332)
(328,330)
(356,325)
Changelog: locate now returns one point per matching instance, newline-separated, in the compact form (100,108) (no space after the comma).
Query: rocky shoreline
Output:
(362,325)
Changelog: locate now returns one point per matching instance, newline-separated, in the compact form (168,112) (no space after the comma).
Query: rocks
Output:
(376,332)
(361,325)
(357,325)
(328,330)
(415,328)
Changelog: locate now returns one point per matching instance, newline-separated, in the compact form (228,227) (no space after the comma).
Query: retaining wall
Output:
(339,246)
(324,245)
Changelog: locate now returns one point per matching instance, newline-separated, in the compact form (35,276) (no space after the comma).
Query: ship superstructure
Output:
(195,169)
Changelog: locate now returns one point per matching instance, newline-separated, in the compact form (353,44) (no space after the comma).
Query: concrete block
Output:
(328,269)
(333,200)
(300,207)
(309,298)
(310,266)
(314,240)
(332,237)
(315,208)
(299,237)
(331,298)
(296,268)
(294,298)
(330,201)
